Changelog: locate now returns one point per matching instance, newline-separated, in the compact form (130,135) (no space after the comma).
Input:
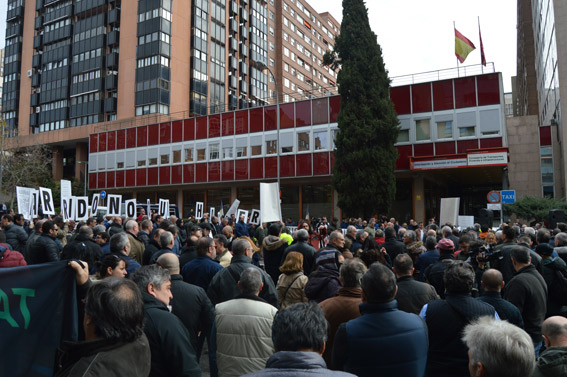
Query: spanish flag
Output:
(463,46)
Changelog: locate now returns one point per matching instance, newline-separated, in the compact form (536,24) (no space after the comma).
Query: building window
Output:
(445,130)
(271,146)
(466,131)
(213,151)
(152,157)
(403,136)
(422,130)
(201,153)
(302,141)
(188,154)
(227,153)
(320,140)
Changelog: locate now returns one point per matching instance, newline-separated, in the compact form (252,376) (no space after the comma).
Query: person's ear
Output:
(108,271)
(322,350)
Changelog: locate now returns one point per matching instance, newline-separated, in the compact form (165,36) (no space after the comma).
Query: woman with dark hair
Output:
(371,256)
(112,265)
(292,281)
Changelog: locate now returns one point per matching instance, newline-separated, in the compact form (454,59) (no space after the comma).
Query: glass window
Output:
(271,146)
(320,140)
(286,141)
(445,130)
(119,160)
(176,154)
(142,155)
(152,157)
(302,141)
(403,136)
(130,159)
(466,131)
(188,154)
(213,151)
(164,155)
(227,153)
(256,145)
(422,130)
(201,152)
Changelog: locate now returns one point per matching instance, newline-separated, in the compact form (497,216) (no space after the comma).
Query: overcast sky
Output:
(417,35)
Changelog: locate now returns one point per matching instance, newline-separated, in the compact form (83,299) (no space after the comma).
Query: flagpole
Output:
(454,33)
(481,48)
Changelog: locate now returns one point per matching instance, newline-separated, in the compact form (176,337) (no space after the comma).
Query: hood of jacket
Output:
(555,263)
(273,243)
(553,362)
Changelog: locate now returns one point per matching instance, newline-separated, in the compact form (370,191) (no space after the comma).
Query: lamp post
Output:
(86,172)
(264,66)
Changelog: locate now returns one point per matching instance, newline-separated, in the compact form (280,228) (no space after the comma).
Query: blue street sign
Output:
(508,196)
(103,194)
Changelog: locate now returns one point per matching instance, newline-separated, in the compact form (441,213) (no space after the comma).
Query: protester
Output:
(553,361)
(412,294)
(111,266)
(292,281)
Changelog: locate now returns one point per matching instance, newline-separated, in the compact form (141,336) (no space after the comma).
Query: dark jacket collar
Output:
(492,294)
(350,292)
(296,360)
(152,302)
(405,278)
(374,307)
(176,277)
(240,259)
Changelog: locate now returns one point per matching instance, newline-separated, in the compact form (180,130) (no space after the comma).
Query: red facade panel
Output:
(101,180)
(93,143)
(545,136)
(153,176)
(334,109)
(214,125)
(153,134)
(270,121)
(443,95)
(120,178)
(304,164)
(142,136)
(401,98)
(488,87)
(176,174)
(110,179)
(464,145)
(256,168)
(130,178)
(177,131)
(303,113)
(165,133)
(287,116)
(321,163)
(227,170)
(465,94)
(201,127)
(423,149)
(287,166)
(165,175)
(256,120)
(214,171)
(421,98)
(188,173)
(111,141)
(142,176)
(241,169)
(120,139)
(102,142)
(404,152)
(201,172)
(495,142)
(445,148)
(92,181)
(241,122)
(227,124)
(320,111)
(332,162)
(189,129)
(270,167)
(130,138)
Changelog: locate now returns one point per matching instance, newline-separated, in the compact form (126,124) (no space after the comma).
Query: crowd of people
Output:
(355,297)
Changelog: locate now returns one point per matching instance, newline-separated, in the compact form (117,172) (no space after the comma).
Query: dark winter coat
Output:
(16,237)
(296,364)
(323,284)
(83,248)
(506,311)
(412,295)
(556,297)
(393,247)
(152,248)
(200,271)
(308,252)
(552,363)
(171,351)
(44,250)
(273,249)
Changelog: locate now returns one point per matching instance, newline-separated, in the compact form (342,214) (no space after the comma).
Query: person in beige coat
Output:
(137,247)
(292,281)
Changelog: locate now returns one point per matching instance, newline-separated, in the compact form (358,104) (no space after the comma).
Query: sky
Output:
(417,35)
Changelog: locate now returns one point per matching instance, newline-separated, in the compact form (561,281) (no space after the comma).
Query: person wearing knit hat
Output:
(434,273)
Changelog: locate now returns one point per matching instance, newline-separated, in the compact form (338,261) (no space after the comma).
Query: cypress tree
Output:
(365,156)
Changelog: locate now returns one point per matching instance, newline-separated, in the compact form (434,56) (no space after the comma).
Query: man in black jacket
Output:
(16,236)
(412,294)
(301,246)
(492,284)
(171,351)
(45,249)
(153,246)
(528,292)
(83,247)
(392,245)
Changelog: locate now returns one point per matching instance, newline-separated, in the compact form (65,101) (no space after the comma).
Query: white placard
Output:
(466,221)
(163,210)
(270,202)
(199,210)
(149,210)
(233,208)
(34,203)
(94,204)
(66,191)
(255,217)
(211,213)
(244,213)
(449,210)
(23,197)
(130,208)
(114,207)
(494,206)
(46,201)
(82,208)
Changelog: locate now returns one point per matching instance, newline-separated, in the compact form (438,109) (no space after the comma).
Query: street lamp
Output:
(263,66)
(86,172)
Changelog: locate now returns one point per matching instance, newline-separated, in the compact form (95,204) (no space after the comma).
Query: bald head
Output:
(554,331)
(170,262)
(492,280)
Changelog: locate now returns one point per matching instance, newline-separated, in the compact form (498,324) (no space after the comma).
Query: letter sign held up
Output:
(164,208)
(199,210)
(82,208)
(46,201)
(94,204)
(255,217)
(212,213)
(114,205)
(130,208)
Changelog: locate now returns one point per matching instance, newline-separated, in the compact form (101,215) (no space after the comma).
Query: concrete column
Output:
(180,202)
(336,209)
(418,198)
(81,154)
(233,194)
(57,163)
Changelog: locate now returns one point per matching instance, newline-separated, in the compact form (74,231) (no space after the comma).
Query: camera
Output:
(483,253)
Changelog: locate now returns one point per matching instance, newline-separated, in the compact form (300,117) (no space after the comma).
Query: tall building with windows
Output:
(73,67)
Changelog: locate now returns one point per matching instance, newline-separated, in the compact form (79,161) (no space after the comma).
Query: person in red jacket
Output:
(11,258)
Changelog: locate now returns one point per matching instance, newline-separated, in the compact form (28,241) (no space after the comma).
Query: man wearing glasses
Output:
(45,249)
